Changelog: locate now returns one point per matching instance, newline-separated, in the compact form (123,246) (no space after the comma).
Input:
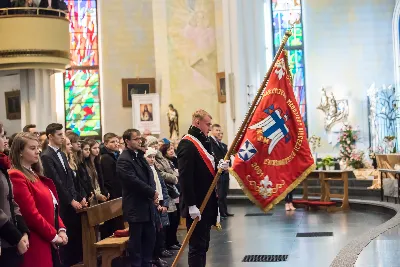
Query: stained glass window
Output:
(82,100)
(285,13)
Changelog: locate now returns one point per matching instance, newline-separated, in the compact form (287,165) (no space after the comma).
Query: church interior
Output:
(101,66)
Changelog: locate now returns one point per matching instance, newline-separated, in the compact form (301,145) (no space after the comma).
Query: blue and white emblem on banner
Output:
(247,151)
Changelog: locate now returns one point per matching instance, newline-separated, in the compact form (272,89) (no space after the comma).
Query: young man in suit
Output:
(197,168)
(139,197)
(56,167)
(220,150)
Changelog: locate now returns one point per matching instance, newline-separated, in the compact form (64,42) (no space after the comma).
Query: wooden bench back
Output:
(104,212)
(90,218)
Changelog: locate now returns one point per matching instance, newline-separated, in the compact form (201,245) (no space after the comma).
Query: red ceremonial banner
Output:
(273,155)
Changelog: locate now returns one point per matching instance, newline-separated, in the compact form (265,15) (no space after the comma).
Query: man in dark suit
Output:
(220,150)
(196,173)
(56,167)
(139,196)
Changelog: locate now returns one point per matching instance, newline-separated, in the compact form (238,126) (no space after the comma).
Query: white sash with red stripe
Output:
(207,157)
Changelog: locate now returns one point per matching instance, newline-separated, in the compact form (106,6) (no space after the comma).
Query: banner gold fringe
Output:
(295,183)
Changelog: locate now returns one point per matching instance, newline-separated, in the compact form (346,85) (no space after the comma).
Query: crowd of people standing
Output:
(46,177)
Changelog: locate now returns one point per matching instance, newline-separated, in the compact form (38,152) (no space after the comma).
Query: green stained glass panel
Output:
(77,94)
(85,127)
(82,111)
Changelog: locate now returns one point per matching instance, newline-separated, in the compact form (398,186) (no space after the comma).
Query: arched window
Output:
(284,14)
(81,80)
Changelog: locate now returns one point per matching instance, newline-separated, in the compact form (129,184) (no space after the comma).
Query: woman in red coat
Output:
(37,198)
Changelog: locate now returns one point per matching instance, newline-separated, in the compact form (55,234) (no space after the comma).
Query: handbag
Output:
(172,191)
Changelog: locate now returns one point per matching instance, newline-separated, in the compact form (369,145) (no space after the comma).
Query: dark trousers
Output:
(289,197)
(198,243)
(160,243)
(141,243)
(71,253)
(223,188)
(10,257)
(172,229)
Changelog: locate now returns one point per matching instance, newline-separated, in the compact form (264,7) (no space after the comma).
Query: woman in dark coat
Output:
(13,230)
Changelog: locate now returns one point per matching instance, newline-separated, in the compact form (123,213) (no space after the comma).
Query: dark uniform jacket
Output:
(220,150)
(138,187)
(195,178)
(108,163)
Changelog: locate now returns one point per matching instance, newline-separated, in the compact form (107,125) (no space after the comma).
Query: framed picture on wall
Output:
(221,88)
(146,112)
(13,105)
(137,86)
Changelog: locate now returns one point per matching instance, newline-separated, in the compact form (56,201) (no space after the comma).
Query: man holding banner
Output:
(273,155)
(196,173)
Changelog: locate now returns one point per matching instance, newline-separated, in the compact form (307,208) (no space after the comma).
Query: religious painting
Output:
(221,88)
(138,86)
(13,105)
(146,112)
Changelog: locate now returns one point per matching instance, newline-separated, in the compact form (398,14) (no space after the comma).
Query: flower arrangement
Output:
(347,142)
(356,159)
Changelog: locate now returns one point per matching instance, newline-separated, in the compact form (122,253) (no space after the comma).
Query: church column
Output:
(163,82)
(36,98)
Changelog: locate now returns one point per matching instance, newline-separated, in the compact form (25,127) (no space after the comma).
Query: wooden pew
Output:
(110,247)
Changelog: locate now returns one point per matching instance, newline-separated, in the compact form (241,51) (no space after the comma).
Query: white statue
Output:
(334,110)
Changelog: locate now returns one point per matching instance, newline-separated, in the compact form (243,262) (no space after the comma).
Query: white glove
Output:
(218,217)
(224,165)
(194,212)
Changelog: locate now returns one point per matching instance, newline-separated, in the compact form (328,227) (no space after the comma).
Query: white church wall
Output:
(348,46)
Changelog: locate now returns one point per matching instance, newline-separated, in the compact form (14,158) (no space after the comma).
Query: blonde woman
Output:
(38,200)
(70,149)
(93,168)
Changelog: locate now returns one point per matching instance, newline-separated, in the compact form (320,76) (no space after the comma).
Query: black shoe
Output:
(230,214)
(178,244)
(174,247)
(163,261)
(166,254)
(159,263)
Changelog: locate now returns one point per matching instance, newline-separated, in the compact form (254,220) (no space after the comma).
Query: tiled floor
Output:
(276,234)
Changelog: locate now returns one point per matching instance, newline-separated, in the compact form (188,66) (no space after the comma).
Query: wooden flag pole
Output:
(238,137)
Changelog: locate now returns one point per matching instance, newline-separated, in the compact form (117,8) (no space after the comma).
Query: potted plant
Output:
(320,166)
(328,162)
(331,165)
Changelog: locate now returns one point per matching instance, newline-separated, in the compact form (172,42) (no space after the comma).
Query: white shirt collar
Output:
(54,148)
